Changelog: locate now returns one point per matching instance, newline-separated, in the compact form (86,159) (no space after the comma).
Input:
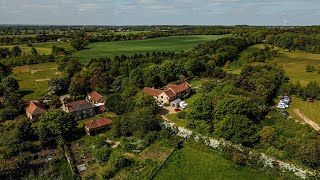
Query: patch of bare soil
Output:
(47,79)
(307,120)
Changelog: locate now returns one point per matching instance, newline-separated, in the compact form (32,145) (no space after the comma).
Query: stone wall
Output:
(251,156)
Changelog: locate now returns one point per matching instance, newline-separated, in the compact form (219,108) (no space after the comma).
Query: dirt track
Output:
(307,120)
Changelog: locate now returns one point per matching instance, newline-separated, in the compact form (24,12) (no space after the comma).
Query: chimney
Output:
(153,87)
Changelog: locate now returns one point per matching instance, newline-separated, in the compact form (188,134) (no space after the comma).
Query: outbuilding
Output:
(175,103)
(97,126)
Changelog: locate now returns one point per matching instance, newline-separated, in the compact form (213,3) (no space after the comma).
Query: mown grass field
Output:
(33,79)
(311,110)
(193,163)
(42,48)
(111,49)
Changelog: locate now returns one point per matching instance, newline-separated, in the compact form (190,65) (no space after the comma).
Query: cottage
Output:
(97,100)
(96,126)
(175,103)
(34,111)
(81,109)
(171,92)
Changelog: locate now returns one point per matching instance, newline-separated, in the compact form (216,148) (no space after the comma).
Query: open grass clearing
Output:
(294,63)
(196,163)
(42,48)
(310,109)
(33,79)
(117,48)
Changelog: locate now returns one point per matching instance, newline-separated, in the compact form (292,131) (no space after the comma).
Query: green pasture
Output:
(111,49)
(294,63)
(309,109)
(33,79)
(201,163)
(42,48)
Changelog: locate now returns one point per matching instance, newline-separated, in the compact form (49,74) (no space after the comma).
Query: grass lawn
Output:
(311,110)
(196,163)
(33,79)
(111,49)
(42,48)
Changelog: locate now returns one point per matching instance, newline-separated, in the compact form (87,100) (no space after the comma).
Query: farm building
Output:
(96,126)
(81,109)
(170,93)
(34,111)
(97,100)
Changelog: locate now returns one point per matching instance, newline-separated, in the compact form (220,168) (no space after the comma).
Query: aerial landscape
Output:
(156,89)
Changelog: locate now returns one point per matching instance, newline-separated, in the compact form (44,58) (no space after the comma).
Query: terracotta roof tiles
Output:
(98,123)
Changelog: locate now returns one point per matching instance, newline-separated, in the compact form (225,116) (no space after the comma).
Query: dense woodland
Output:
(233,106)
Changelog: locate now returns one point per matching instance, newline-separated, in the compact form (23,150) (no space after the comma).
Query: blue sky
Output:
(147,12)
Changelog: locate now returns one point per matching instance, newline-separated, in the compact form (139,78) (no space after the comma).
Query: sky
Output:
(160,12)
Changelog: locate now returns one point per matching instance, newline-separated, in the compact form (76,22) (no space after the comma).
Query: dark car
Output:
(304,99)
(311,100)
(284,113)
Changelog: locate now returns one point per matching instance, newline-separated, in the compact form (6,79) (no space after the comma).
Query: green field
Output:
(111,49)
(193,163)
(33,79)
(311,110)
(294,63)
(42,48)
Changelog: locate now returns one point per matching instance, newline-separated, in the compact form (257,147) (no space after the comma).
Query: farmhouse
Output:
(96,126)
(81,109)
(34,111)
(170,93)
(97,100)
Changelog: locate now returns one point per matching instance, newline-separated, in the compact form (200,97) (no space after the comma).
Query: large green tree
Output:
(10,84)
(56,123)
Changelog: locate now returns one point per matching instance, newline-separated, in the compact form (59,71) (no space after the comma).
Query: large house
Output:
(96,126)
(80,109)
(97,100)
(170,93)
(34,111)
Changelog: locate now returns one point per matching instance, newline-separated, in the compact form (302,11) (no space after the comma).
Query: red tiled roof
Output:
(152,91)
(79,105)
(169,93)
(181,87)
(168,86)
(34,109)
(96,97)
(102,108)
(98,123)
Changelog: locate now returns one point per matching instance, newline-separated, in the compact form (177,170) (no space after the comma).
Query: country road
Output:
(307,120)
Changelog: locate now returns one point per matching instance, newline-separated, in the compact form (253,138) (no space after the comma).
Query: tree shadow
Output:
(25,92)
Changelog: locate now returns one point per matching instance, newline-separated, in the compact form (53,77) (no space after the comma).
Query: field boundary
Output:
(254,158)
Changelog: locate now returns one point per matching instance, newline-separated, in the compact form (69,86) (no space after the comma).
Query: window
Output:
(161,97)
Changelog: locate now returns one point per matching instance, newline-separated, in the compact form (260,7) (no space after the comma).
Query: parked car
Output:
(287,98)
(160,105)
(284,113)
(272,110)
(304,99)
(284,102)
(311,100)
(177,109)
(281,106)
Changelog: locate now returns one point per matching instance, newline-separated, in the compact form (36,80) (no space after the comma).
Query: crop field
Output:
(111,49)
(42,48)
(193,163)
(33,79)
